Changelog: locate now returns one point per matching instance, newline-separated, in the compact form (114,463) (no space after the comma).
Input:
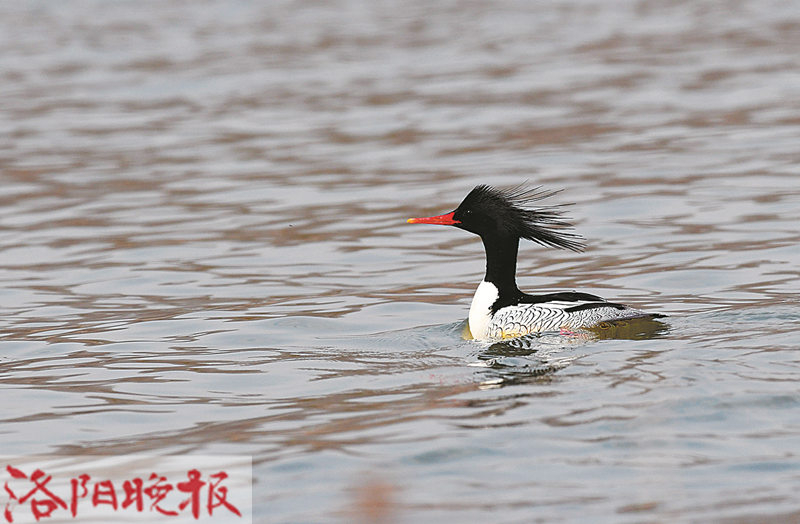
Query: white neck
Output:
(480,312)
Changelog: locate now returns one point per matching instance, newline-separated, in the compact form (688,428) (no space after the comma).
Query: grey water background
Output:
(203,249)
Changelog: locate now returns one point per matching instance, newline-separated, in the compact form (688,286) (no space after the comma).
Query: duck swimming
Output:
(499,310)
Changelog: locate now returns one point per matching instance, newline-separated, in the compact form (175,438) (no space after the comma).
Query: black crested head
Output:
(491,212)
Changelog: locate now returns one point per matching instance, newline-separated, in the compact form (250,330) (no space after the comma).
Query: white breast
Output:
(480,312)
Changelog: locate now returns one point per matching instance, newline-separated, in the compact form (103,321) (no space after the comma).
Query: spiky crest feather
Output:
(544,225)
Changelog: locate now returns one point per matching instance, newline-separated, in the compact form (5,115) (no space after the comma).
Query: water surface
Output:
(203,249)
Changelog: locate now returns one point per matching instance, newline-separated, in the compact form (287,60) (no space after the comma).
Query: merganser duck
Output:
(499,309)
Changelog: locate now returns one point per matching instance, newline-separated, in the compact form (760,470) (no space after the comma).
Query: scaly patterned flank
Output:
(524,319)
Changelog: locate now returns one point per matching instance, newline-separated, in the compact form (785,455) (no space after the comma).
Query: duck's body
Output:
(499,309)
(564,311)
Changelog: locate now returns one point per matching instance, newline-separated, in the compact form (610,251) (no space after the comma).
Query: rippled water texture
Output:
(203,249)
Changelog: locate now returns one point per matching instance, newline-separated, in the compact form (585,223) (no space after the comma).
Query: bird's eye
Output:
(467,212)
